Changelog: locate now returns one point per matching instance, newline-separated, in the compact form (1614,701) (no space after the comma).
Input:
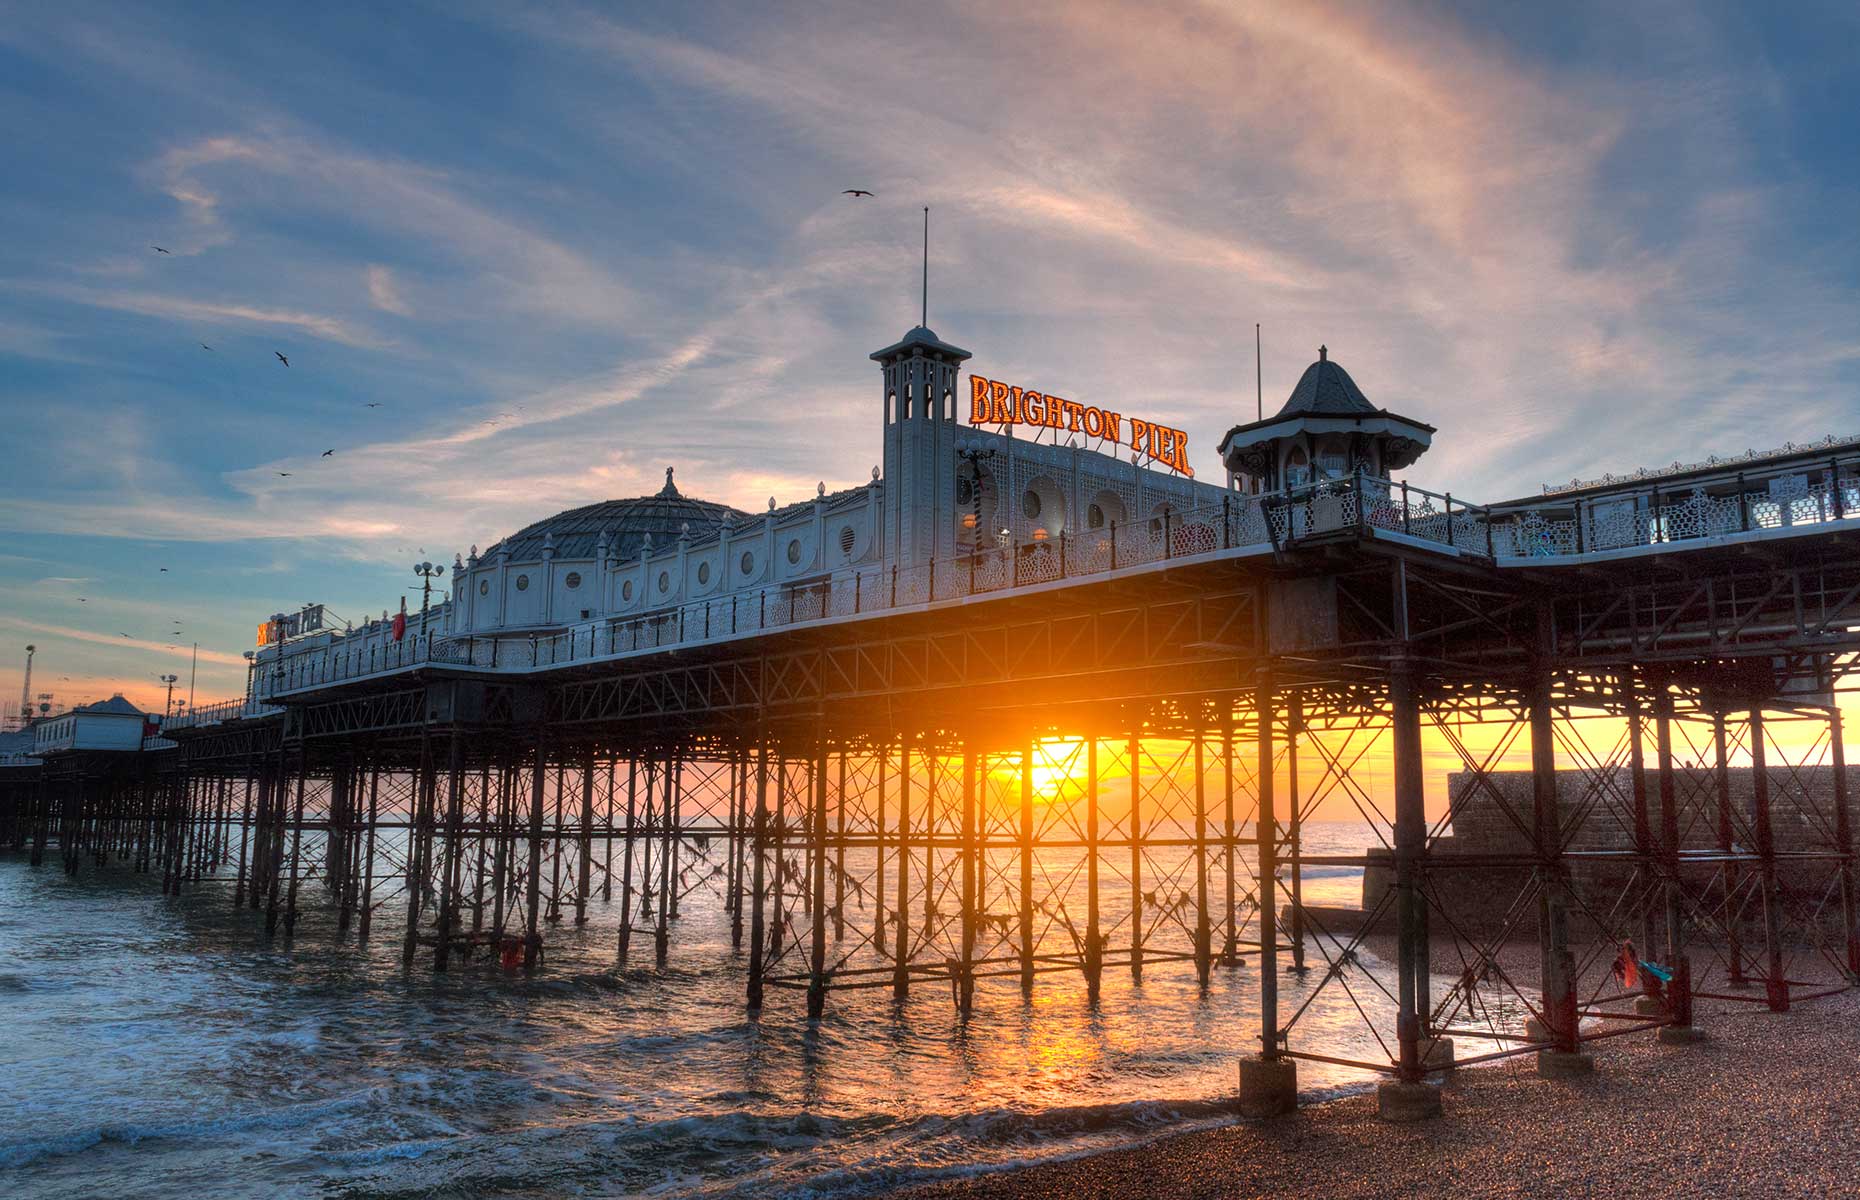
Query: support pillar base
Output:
(1649,1006)
(1400,1102)
(1437,1053)
(1564,1064)
(1680,1035)
(1268,1086)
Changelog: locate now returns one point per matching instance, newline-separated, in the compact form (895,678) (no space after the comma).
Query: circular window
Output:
(573,580)
(703,572)
(1094,517)
(1030,504)
(523,583)
(748,563)
(665,581)
(794,550)
(626,590)
(847,540)
(484,587)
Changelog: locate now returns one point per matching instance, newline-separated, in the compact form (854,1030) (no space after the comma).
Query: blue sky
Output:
(561,248)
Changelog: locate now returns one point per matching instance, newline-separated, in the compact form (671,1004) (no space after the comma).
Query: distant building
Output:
(113,724)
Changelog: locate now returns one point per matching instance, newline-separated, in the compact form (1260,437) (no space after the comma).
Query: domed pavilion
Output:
(553,572)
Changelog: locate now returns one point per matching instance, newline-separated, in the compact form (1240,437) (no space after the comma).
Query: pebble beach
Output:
(1765,1107)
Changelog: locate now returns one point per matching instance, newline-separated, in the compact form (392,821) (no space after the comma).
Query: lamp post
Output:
(427,572)
(251,663)
(168,704)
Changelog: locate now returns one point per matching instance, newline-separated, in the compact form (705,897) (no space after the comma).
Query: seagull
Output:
(284,474)
(855,192)
(83,599)
(122,635)
(159,250)
(372,404)
(282,359)
(327,453)
(204,346)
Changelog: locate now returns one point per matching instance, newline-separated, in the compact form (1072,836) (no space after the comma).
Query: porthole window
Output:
(847,540)
(574,580)
(1094,516)
(523,583)
(626,590)
(748,562)
(703,573)
(665,581)
(484,587)
(1030,504)
(794,550)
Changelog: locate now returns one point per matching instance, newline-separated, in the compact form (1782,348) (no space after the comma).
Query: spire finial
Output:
(670,489)
(925,322)
(1323,353)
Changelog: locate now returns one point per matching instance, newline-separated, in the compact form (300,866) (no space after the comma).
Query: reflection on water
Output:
(159,1047)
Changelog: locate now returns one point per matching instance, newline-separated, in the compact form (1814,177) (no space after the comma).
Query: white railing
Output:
(217,713)
(1354,506)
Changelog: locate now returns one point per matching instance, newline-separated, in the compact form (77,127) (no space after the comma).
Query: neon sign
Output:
(992,402)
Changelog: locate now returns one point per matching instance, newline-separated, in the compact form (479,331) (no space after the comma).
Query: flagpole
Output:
(192,672)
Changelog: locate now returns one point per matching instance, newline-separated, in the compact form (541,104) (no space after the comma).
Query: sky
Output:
(522,259)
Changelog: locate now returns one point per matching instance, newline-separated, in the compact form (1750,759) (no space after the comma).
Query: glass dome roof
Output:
(577,531)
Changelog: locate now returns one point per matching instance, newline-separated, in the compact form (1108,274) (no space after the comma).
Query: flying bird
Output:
(122,635)
(327,453)
(159,250)
(284,474)
(83,599)
(372,404)
(855,192)
(282,359)
(164,570)
(204,346)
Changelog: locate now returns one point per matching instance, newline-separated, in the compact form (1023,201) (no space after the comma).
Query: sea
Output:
(156,1046)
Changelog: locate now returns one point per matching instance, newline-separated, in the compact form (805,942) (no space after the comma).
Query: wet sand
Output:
(1765,1108)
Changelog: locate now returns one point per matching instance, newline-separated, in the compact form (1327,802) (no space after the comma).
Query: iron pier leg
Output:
(368,851)
(901,918)
(1026,871)
(817,966)
(965,980)
(757,934)
(1137,899)
(1094,941)
(1203,939)
(626,858)
(1731,877)
(1294,726)
(539,780)
(1775,983)
(1844,842)
(839,853)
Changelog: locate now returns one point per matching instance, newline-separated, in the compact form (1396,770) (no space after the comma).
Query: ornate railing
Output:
(1355,506)
(217,713)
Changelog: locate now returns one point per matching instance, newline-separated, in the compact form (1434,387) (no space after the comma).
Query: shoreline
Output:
(1762,1108)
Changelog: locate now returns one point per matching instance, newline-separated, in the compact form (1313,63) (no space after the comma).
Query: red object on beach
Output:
(511,954)
(400,621)
(1627,967)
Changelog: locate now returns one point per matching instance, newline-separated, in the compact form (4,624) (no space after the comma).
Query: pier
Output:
(1089,747)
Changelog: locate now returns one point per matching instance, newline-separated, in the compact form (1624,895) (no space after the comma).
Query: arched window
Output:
(1297,468)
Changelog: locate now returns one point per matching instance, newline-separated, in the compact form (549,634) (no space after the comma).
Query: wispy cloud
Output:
(384,291)
(184,309)
(165,649)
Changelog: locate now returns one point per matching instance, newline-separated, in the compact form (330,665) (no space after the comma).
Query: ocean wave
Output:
(22,1153)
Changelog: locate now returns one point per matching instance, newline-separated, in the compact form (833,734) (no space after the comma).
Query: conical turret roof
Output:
(1326,390)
